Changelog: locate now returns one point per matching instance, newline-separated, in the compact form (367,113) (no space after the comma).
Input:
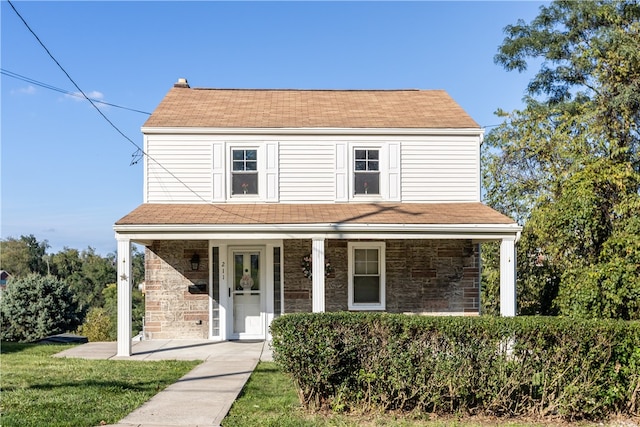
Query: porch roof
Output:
(265,214)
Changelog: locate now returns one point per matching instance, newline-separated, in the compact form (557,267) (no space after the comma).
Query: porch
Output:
(414,267)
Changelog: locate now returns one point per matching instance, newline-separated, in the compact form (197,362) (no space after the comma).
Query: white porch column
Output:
(508,276)
(317,272)
(124,297)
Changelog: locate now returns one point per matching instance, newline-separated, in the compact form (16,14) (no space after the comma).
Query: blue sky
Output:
(66,175)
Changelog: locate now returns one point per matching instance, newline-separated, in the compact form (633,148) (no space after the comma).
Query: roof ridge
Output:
(318,90)
(309,108)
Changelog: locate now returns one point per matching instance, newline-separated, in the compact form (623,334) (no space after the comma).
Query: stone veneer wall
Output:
(433,277)
(172,311)
(297,288)
(422,276)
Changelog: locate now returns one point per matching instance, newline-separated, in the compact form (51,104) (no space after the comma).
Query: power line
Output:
(71,79)
(17,76)
(139,153)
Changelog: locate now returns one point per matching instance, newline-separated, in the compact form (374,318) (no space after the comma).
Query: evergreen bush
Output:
(35,306)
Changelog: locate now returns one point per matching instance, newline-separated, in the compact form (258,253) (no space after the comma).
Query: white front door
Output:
(248,284)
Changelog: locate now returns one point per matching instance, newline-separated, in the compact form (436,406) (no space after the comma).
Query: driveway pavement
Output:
(202,397)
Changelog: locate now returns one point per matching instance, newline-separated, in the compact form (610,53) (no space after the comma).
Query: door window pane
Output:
(255,271)
(238,269)
(246,271)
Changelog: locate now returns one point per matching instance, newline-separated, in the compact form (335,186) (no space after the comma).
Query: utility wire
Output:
(71,79)
(139,151)
(17,76)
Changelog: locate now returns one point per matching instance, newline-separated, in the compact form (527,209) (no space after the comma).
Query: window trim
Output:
(260,171)
(382,172)
(351,247)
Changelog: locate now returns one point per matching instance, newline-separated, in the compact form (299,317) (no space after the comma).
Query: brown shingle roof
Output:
(273,108)
(346,213)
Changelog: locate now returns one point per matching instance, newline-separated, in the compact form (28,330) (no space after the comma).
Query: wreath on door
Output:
(307,267)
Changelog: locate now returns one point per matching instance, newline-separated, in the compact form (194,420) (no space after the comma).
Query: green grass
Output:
(269,399)
(38,389)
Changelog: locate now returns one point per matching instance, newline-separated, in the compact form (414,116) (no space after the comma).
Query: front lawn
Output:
(38,389)
(269,399)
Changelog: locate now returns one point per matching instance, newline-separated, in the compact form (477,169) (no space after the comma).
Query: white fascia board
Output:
(311,131)
(148,238)
(145,170)
(323,228)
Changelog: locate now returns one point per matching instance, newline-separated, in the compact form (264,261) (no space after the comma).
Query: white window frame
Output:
(260,170)
(351,247)
(382,172)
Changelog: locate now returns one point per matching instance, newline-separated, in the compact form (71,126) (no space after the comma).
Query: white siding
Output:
(307,171)
(313,168)
(342,172)
(218,172)
(441,169)
(178,170)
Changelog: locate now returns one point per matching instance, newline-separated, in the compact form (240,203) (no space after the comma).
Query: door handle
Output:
(229,289)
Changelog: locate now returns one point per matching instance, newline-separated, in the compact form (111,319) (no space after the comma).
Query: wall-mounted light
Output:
(195,261)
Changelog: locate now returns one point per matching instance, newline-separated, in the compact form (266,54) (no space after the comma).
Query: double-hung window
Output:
(366,171)
(244,174)
(366,275)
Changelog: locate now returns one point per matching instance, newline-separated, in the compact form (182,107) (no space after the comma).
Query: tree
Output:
(66,262)
(86,272)
(23,256)
(35,306)
(111,309)
(567,165)
(97,273)
(137,260)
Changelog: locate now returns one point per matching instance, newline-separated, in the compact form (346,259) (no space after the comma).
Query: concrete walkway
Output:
(202,397)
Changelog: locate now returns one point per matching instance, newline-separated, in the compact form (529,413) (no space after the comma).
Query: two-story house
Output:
(264,202)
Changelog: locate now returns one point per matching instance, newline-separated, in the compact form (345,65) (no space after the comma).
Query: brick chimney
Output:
(182,82)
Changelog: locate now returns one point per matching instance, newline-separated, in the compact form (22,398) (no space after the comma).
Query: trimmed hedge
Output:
(522,366)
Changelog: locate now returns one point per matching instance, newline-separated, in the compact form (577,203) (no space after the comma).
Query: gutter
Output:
(311,131)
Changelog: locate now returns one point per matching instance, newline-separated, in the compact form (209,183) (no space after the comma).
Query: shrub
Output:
(477,365)
(110,293)
(35,306)
(98,326)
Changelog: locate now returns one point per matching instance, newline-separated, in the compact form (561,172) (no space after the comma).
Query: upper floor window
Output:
(244,174)
(366,172)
